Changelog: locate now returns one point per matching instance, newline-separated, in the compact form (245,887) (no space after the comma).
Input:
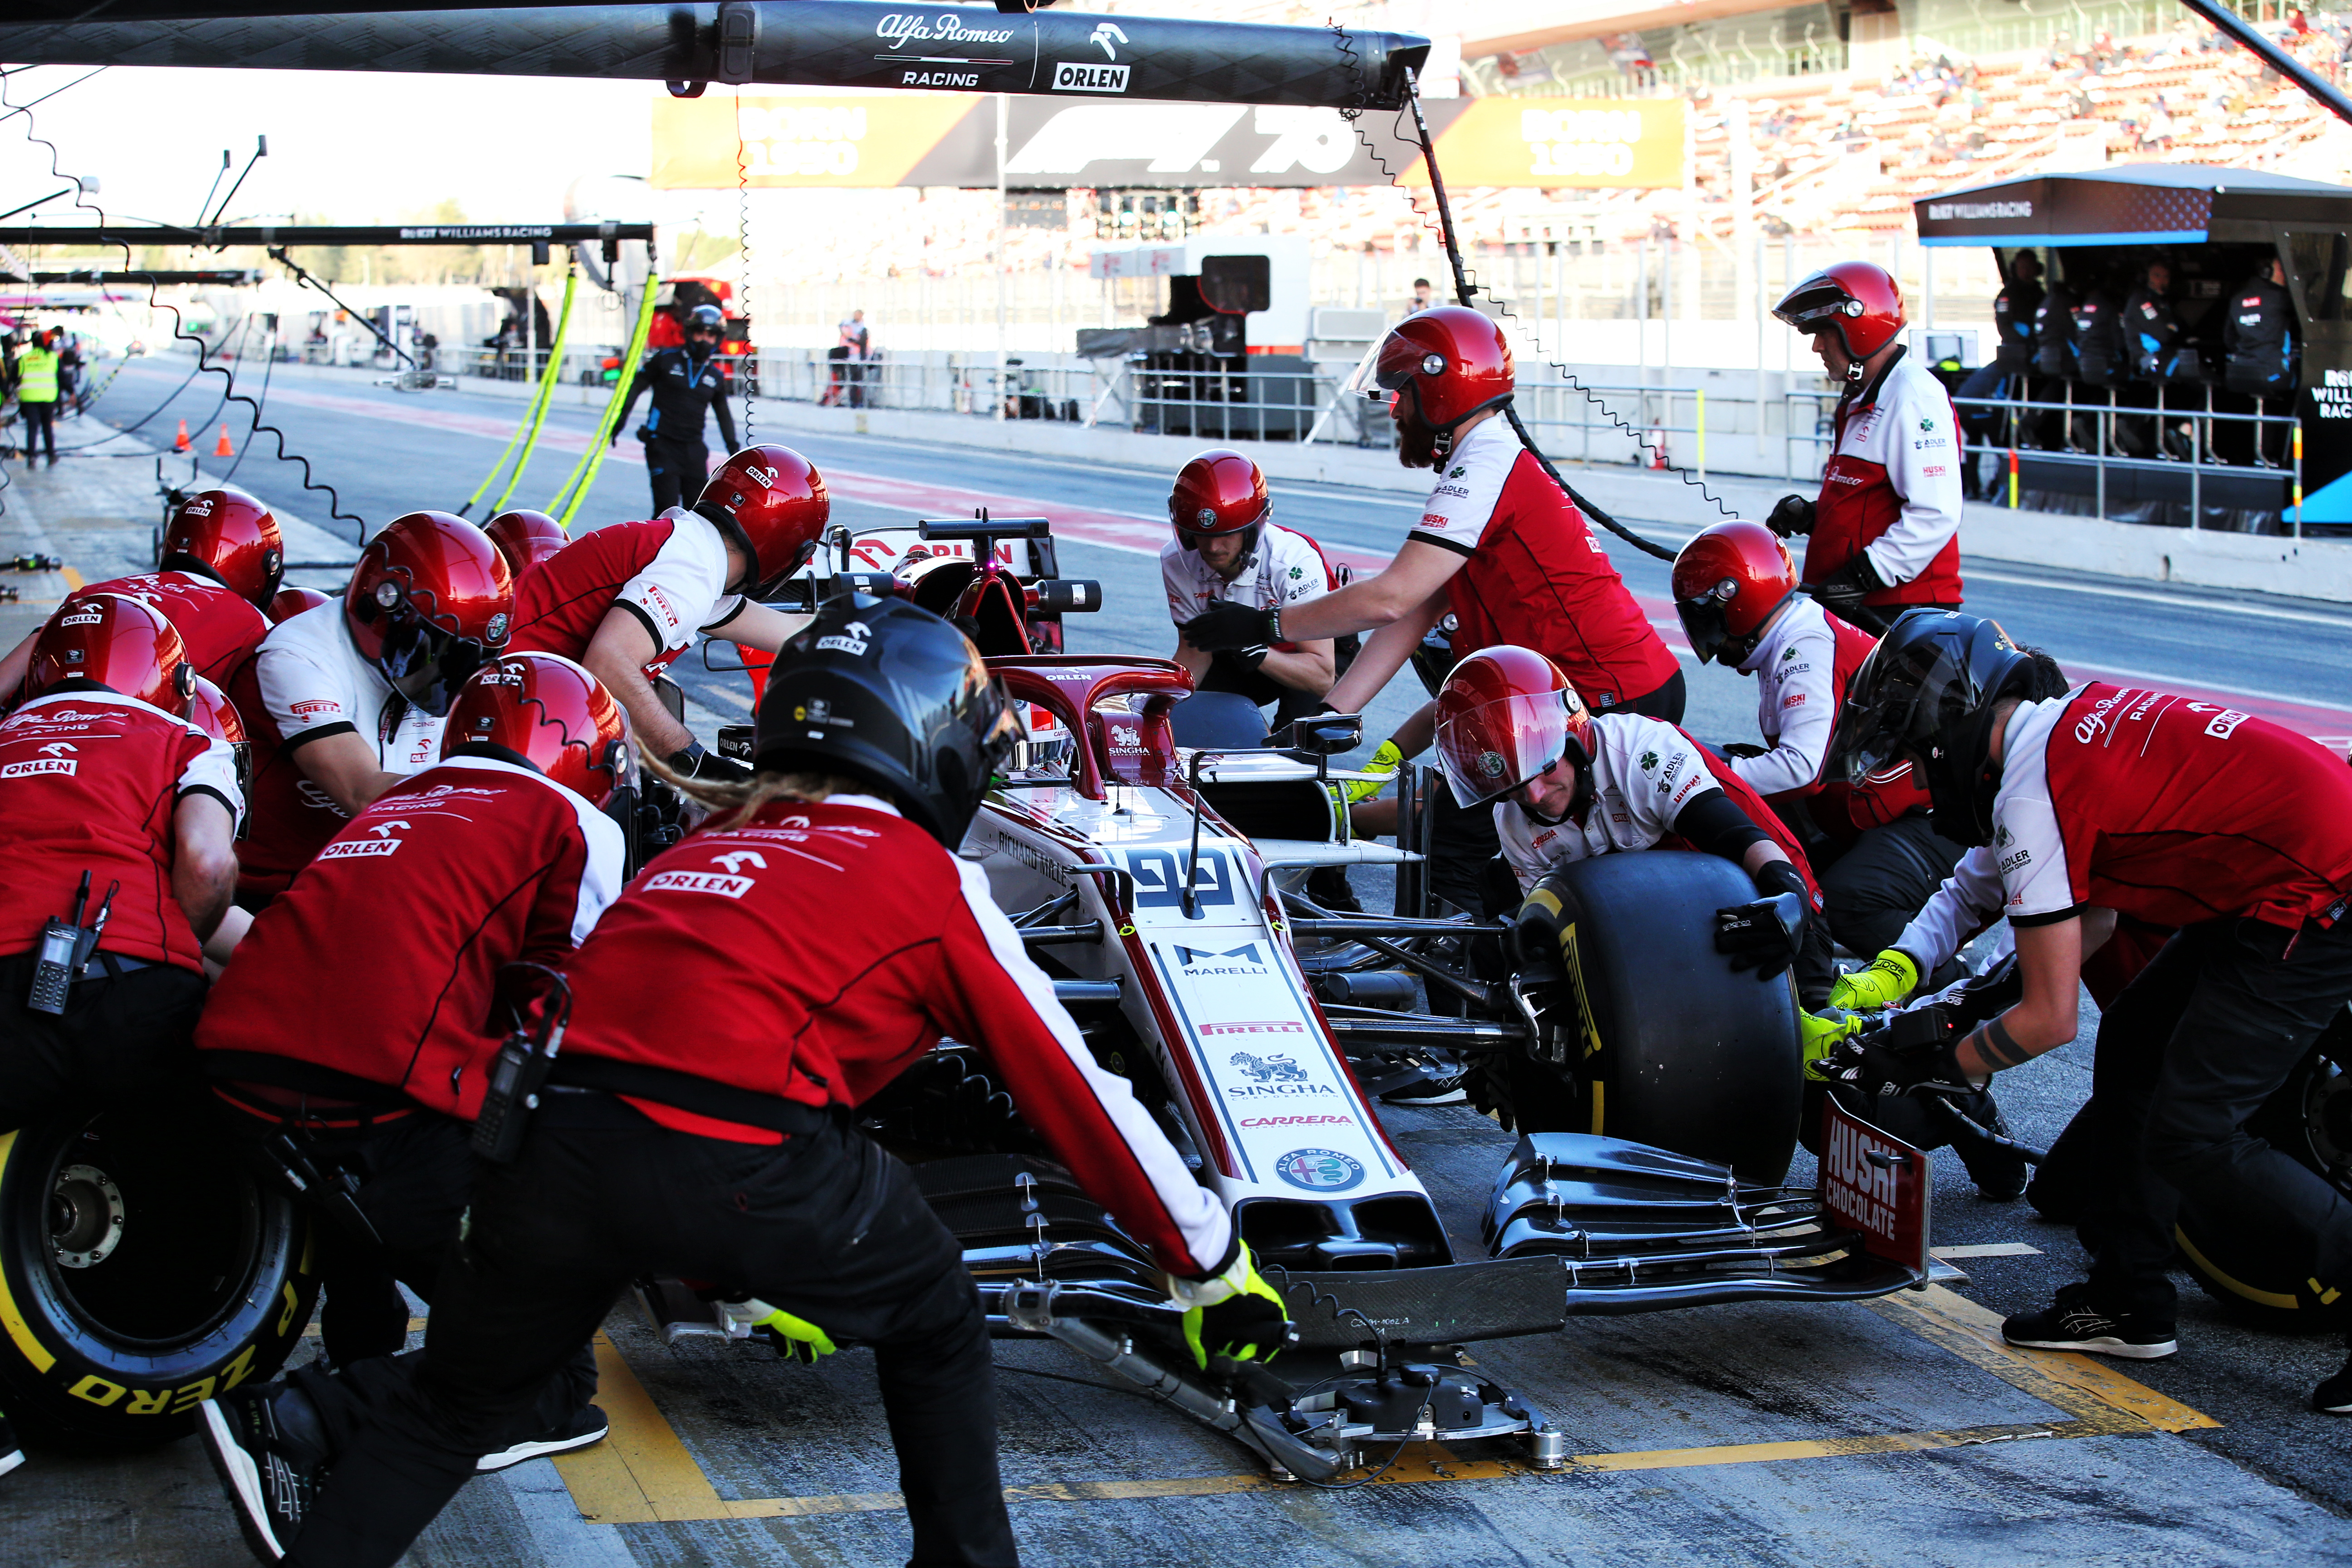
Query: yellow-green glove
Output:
(1385,763)
(1234,1314)
(794,1339)
(1891,977)
(1820,1033)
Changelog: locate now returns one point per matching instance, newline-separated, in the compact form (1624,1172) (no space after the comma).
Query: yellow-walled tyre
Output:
(142,1269)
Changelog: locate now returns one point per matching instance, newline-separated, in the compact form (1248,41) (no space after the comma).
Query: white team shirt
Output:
(1910,433)
(1469,488)
(1285,569)
(1643,772)
(687,573)
(1795,707)
(312,677)
(1969,900)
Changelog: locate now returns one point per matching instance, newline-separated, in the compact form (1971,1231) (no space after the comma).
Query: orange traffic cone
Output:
(180,442)
(224,449)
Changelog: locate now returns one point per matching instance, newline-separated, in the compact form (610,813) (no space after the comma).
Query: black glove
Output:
(695,763)
(1915,1053)
(1766,935)
(1743,748)
(1790,514)
(1843,592)
(1226,625)
(1249,657)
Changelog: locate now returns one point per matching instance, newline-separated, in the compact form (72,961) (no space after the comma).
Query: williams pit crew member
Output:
(1884,534)
(525,538)
(1877,855)
(1566,784)
(627,599)
(498,853)
(2170,811)
(1226,551)
(728,1152)
(117,864)
(1499,546)
(688,383)
(345,700)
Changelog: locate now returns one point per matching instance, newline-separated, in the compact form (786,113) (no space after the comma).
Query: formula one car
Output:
(1150,844)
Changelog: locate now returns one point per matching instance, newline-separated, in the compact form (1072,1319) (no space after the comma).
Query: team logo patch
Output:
(66,766)
(851,639)
(496,630)
(1205,518)
(1649,761)
(1319,1170)
(699,882)
(359,848)
(1491,763)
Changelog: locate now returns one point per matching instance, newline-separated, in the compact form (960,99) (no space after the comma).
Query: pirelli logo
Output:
(358,849)
(699,882)
(39,765)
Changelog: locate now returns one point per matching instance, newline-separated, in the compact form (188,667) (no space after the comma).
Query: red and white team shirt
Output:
(2170,810)
(88,781)
(306,683)
(1802,666)
(1891,489)
(401,924)
(1535,575)
(1287,568)
(826,948)
(669,571)
(219,629)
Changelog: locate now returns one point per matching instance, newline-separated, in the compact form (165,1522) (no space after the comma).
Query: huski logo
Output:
(851,639)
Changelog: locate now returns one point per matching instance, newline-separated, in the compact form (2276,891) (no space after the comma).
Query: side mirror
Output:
(1322,734)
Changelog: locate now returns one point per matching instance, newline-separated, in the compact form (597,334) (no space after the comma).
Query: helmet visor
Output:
(1889,719)
(1813,307)
(1497,746)
(1703,620)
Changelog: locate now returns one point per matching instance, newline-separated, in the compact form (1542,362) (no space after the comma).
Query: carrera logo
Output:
(1298,1121)
(39,765)
(699,882)
(315,705)
(1081,76)
(359,848)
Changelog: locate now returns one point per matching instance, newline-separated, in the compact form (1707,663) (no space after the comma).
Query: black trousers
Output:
(678,470)
(40,425)
(120,1036)
(826,1225)
(1226,673)
(1873,890)
(2193,1047)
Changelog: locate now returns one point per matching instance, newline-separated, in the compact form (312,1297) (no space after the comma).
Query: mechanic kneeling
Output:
(2169,811)
(500,852)
(1227,550)
(726,1151)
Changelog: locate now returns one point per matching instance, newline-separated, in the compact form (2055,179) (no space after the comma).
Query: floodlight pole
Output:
(1002,262)
(2277,59)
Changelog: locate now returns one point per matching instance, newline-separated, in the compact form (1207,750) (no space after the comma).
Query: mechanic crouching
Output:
(2164,810)
(728,1152)
(1228,551)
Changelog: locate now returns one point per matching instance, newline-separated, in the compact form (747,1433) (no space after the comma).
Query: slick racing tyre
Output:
(142,1270)
(2257,1267)
(1663,1042)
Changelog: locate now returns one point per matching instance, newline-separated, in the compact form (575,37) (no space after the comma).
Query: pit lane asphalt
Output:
(1108,1478)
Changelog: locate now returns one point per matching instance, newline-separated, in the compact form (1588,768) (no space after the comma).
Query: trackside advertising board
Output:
(1878,1184)
(1098,138)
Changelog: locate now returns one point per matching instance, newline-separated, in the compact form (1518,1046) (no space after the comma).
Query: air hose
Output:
(535,416)
(583,474)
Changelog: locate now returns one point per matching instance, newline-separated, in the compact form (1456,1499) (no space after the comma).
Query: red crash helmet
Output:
(1507,715)
(525,538)
(292,601)
(1727,581)
(1858,300)
(229,537)
(1453,361)
(430,599)
(124,645)
(770,502)
(210,710)
(1218,491)
(544,710)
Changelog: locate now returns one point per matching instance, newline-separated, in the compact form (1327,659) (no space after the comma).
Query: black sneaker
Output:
(585,1428)
(11,1455)
(270,1479)
(2334,1397)
(2074,1324)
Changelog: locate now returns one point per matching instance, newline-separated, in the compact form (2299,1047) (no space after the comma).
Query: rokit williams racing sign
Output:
(1878,1186)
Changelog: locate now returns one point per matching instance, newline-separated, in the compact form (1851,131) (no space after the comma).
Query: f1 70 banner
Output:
(950,139)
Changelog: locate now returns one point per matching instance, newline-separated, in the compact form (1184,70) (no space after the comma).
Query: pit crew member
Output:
(1565,785)
(103,773)
(525,538)
(727,1153)
(627,599)
(688,383)
(218,631)
(345,700)
(500,852)
(229,537)
(1226,550)
(2174,812)
(1884,534)
(1875,851)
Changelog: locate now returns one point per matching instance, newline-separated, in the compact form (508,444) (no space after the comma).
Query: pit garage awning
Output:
(2137,204)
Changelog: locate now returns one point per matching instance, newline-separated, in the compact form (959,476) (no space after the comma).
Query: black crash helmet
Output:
(893,695)
(1926,696)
